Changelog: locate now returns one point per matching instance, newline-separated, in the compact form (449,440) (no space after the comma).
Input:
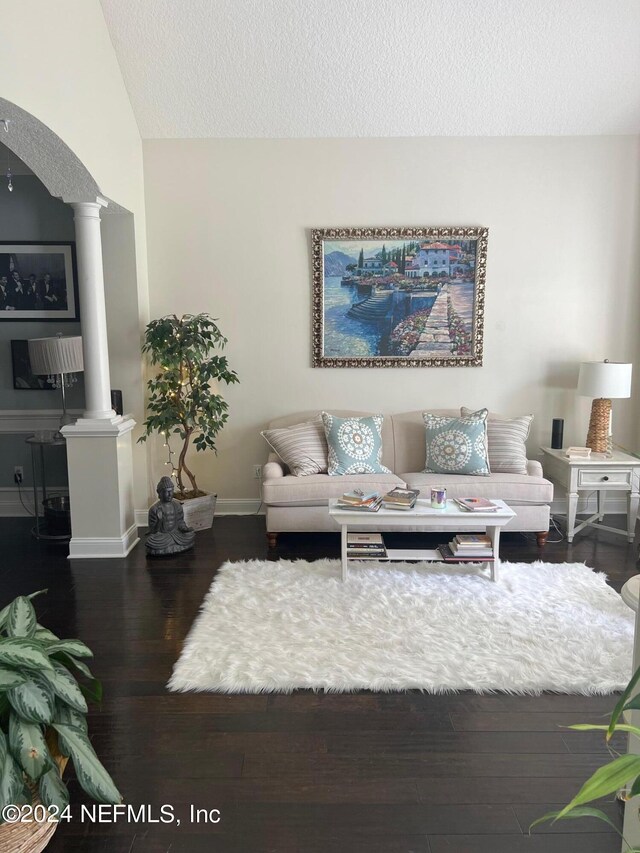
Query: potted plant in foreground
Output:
(42,725)
(181,400)
(622,773)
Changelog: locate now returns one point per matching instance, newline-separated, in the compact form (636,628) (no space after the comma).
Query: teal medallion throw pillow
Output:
(457,445)
(355,445)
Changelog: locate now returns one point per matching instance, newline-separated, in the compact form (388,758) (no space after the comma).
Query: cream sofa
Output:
(300,503)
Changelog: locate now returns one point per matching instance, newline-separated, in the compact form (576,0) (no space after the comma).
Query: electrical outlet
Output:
(18,474)
(257,472)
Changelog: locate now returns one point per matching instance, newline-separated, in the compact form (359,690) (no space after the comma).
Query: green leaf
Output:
(44,635)
(29,747)
(11,781)
(66,687)
(616,774)
(69,660)
(52,790)
(635,788)
(4,613)
(72,647)
(21,621)
(33,700)
(92,776)
(622,701)
(3,747)
(23,653)
(92,691)
(620,727)
(69,716)
(10,678)
(578,812)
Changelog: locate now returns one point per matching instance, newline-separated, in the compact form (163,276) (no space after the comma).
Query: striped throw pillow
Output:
(506,438)
(302,447)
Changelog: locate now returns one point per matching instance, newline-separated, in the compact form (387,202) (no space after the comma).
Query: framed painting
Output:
(398,297)
(38,281)
(24,378)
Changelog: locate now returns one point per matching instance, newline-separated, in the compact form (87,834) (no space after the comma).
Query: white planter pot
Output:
(198,512)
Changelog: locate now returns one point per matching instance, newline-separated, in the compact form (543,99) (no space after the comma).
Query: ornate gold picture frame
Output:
(398,297)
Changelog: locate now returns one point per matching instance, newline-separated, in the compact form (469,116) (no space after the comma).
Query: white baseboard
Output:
(112,547)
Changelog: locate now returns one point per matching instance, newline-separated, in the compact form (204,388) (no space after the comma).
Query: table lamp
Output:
(57,357)
(603,380)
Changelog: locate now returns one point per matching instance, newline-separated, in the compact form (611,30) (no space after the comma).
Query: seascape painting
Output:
(400,297)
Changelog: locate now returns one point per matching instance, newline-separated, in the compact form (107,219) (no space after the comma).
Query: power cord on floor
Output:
(30,512)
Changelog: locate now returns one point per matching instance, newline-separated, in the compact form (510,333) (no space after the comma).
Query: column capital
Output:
(87,208)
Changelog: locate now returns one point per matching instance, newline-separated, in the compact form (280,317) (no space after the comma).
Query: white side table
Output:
(619,473)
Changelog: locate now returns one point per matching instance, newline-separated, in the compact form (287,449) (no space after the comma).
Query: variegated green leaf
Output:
(72,647)
(23,653)
(92,776)
(4,613)
(44,635)
(64,714)
(3,747)
(66,687)
(52,790)
(11,782)
(69,660)
(21,621)
(10,678)
(33,700)
(29,747)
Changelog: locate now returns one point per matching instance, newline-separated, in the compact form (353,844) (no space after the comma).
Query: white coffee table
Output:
(452,519)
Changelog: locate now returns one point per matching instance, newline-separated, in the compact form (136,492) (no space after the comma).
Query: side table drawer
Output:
(612,477)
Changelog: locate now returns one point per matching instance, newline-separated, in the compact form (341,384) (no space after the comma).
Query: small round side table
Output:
(37,445)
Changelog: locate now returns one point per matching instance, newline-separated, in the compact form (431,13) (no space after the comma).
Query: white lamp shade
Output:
(606,379)
(56,355)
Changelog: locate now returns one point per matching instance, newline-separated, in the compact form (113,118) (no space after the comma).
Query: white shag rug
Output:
(277,626)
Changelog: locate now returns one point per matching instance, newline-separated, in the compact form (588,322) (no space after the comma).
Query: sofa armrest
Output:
(272,470)
(534,468)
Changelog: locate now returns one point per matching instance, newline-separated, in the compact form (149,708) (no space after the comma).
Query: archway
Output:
(99,445)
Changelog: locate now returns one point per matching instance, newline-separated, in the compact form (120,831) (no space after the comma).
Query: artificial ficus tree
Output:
(183,399)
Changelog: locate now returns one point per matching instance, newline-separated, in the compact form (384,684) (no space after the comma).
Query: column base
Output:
(88,548)
(100,462)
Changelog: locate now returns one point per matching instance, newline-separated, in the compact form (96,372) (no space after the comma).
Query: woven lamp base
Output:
(598,435)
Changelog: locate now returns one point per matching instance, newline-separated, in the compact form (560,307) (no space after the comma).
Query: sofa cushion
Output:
(506,438)
(408,437)
(316,489)
(302,447)
(456,445)
(355,445)
(516,488)
(388,458)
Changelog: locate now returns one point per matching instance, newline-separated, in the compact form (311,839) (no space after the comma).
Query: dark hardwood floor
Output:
(307,772)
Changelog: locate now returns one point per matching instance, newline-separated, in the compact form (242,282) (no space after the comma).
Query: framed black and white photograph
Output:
(38,281)
(23,377)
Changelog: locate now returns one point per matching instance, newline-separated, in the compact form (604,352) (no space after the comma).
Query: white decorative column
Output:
(99,445)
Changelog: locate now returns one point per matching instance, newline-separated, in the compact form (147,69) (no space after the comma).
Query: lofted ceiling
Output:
(348,68)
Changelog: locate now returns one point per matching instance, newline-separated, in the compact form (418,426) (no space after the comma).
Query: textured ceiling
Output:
(314,68)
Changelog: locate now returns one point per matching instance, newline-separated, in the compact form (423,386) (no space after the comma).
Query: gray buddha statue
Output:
(168,534)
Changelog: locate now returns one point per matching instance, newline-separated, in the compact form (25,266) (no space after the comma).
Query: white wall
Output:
(58,63)
(561,281)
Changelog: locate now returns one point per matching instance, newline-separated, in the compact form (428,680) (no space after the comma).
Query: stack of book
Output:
(400,498)
(476,504)
(358,500)
(365,546)
(467,548)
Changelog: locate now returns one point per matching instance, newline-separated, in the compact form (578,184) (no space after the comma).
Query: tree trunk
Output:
(182,465)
